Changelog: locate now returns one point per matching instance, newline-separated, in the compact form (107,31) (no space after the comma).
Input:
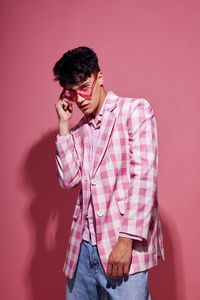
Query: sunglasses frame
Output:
(73,95)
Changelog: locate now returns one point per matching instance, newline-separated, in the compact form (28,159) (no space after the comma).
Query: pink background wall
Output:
(146,49)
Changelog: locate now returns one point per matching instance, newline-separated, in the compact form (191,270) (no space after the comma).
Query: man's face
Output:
(92,105)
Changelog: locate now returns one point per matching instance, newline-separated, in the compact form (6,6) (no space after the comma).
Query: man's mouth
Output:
(84,106)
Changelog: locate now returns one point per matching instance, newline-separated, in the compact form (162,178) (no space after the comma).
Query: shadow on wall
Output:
(163,278)
(48,217)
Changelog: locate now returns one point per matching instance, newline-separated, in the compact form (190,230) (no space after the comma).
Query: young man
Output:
(112,152)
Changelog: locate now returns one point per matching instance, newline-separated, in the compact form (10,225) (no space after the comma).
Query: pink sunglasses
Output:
(85,92)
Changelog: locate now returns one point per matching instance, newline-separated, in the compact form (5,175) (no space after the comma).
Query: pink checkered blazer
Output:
(123,184)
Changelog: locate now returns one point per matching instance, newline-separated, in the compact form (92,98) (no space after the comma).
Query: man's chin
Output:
(87,112)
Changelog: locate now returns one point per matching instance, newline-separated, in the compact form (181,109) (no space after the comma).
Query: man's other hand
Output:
(120,257)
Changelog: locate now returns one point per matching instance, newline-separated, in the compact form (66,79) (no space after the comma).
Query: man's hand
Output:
(64,111)
(120,258)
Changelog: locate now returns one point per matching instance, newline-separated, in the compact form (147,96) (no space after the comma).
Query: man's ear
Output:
(100,78)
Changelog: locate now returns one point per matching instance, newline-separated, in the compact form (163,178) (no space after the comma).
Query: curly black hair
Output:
(76,65)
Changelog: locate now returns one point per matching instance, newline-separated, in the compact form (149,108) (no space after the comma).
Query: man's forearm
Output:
(125,240)
(63,127)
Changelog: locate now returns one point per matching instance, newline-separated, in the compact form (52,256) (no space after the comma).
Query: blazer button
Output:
(100,213)
(93,182)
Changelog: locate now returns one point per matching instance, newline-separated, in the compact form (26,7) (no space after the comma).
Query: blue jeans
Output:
(90,282)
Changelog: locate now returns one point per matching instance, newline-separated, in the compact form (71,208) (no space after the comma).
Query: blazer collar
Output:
(110,102)
(108,122)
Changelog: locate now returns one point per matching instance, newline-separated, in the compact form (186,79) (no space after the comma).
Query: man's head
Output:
(79,74)
(76,66)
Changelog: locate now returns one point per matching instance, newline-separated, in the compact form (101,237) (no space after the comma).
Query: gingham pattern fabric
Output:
(123,185)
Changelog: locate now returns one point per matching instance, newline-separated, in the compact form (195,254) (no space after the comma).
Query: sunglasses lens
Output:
(69,95)
(85,93)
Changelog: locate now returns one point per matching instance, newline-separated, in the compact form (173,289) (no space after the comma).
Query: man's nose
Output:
(79,99)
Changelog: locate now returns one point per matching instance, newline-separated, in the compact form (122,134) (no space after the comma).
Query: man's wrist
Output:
(63,127)
(125,240)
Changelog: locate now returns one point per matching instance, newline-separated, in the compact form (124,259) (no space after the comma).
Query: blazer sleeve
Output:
(142,131)
(68,162)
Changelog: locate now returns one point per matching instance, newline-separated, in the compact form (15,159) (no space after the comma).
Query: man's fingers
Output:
(109,269)
(66,105)
(114,271)
(117,270)
(68,102)
(120,271)
(126,269)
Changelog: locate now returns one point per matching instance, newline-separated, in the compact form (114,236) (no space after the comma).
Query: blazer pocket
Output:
(77,211)
(121,206)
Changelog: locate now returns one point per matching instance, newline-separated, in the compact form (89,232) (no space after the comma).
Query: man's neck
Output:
(102,97)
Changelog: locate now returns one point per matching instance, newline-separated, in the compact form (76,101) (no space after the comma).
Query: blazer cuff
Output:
(130,236)
(61,138)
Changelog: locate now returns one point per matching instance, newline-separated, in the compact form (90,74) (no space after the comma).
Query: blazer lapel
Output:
(107,124)
(86,150)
